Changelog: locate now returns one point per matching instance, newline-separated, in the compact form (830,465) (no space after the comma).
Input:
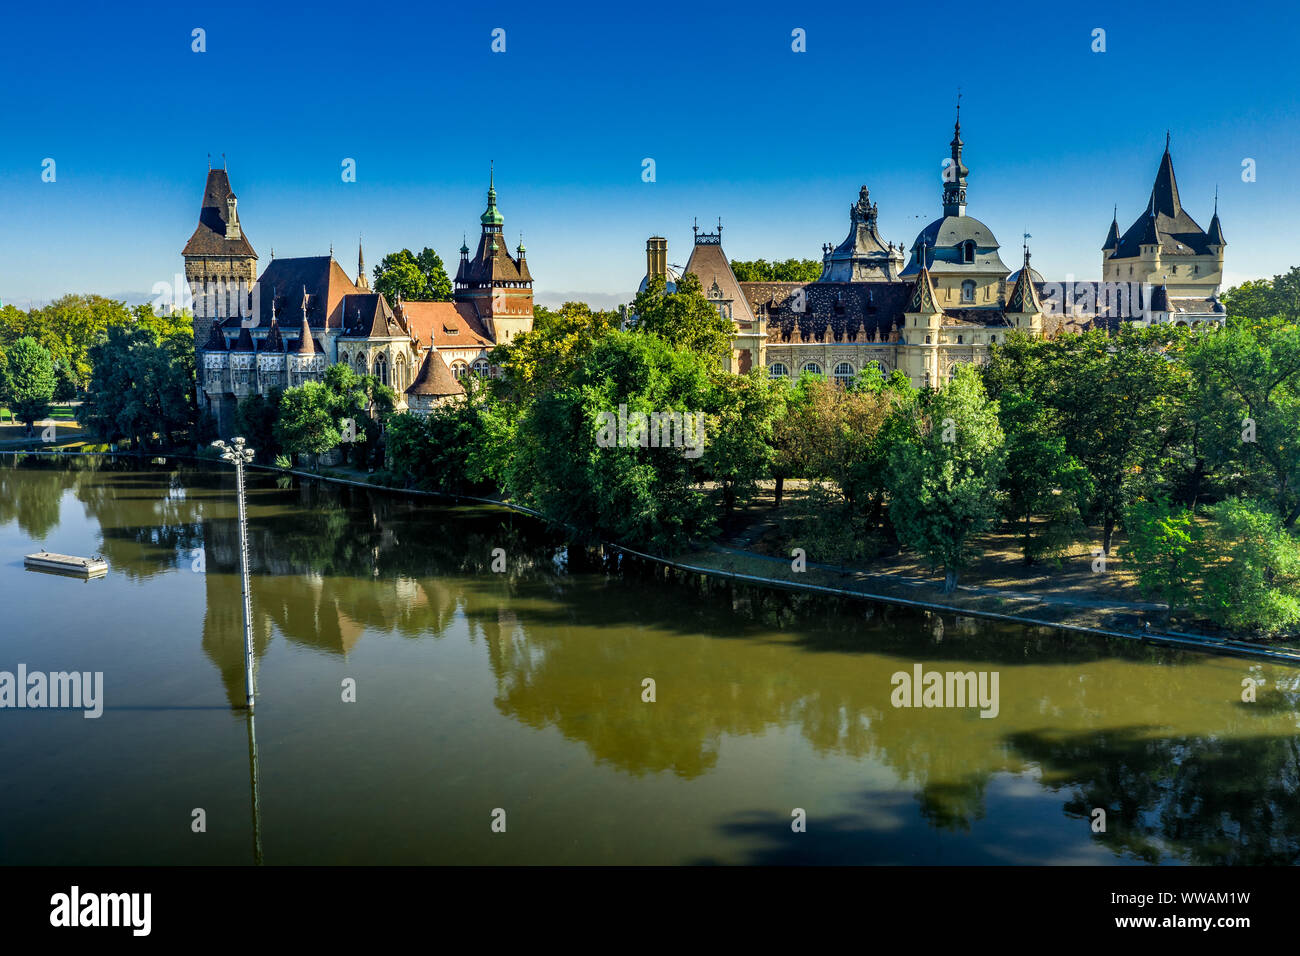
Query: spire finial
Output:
(209,162)
(1166,141)
(223,163)
(958,124)
(1216,199)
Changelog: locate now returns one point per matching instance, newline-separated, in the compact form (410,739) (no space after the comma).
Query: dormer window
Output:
(968,251)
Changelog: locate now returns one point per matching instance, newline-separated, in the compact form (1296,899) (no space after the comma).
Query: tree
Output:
(32,381)
(1044,486)
(1164,546)
(534,362)
(306,425)
(141,388)
(739,447)
(788,270)
(1252,568)
(421,278)
(685,318)
(943,481)
(1249,409)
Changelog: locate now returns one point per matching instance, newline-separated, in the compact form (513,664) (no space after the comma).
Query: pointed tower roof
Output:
(210,236)
(1023,300)
(492,216)
(245,341)
(1112,237)
(362,282)
(954,185)
(1164,194)
(274,341)
(1215,233)
(1164,222)
(305,345)
(923,300)
(216,340)
(435,378)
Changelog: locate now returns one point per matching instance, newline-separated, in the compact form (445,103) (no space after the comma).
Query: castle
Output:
(285,327)
(954,297)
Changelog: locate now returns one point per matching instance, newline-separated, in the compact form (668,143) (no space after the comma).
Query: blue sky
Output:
(739,126)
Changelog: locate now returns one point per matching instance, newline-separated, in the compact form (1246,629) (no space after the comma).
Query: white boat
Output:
(66,564)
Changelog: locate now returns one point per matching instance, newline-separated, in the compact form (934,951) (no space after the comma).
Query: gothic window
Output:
(968,290)
(778,370)
(343,358)
(362,367)
(812,368)
(381,368)
(844,373)
(481,367)
(399,373)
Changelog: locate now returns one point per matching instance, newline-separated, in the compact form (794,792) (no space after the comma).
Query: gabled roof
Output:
(922,300)
(209,238)
(448,325)
(284,280)
(367,314)
(434,378)
(709,264)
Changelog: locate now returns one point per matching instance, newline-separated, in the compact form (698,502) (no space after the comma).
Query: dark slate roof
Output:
(209,238)
(216,340)
(434,378)
(274,341)
(922,297)
(835,310)
(1164,222)
(1112,237)
(943,239)
(245,341)
(284,281)
(1215,233)
(1023,298)
(489,265)
(368,315)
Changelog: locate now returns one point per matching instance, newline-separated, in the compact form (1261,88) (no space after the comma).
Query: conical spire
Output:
(1164,194)
(1215,233)
(492,216)
(305,344)
(923,299)
(1112,237)
(362,282)
(1024,299)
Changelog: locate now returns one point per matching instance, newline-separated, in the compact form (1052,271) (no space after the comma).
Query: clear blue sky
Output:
(739,126)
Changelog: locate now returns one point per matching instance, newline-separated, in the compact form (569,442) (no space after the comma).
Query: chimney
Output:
(232,218)
(656,257)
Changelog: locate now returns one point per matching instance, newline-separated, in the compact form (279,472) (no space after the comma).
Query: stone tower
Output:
(220,264)
(498,286)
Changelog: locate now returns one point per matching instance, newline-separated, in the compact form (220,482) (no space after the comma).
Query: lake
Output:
(519,698)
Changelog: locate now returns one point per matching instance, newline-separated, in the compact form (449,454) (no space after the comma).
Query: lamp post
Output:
(240,456)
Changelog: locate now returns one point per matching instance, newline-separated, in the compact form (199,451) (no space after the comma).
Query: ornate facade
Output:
(304,314)
(955,297)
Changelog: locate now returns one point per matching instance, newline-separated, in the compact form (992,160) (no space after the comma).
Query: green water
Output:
(522,691)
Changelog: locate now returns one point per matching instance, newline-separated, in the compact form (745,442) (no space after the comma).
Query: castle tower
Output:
(922,321)
(1023,310)
(499,287)
(1165,245)
(220,264)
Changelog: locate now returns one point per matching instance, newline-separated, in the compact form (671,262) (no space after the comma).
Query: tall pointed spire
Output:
(362,282)
(492,216)
(954,175)
(1023,299)
(1112,237)
(1215,233)
(1164,193)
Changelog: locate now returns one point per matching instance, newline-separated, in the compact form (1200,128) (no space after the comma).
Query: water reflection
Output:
(1159,738)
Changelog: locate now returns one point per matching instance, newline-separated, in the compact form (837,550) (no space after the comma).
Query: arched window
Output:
(778,370)
(959,341)
(481,367)
(343,357)
(844,373)
(362,367)
(381,368)
(812,368)
(459,368)
(968,290)
(993,340)
(927,340)
(399,373)
(968,251)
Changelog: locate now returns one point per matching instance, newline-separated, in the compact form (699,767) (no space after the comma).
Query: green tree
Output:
(255,419)
(1044,485)
(1164,547)
(1252,569)
(943,481)
(534,362)
(738,450)
(306,425)
(787,270)
(421,278)
(141,388)
(684,318)
(32,381)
